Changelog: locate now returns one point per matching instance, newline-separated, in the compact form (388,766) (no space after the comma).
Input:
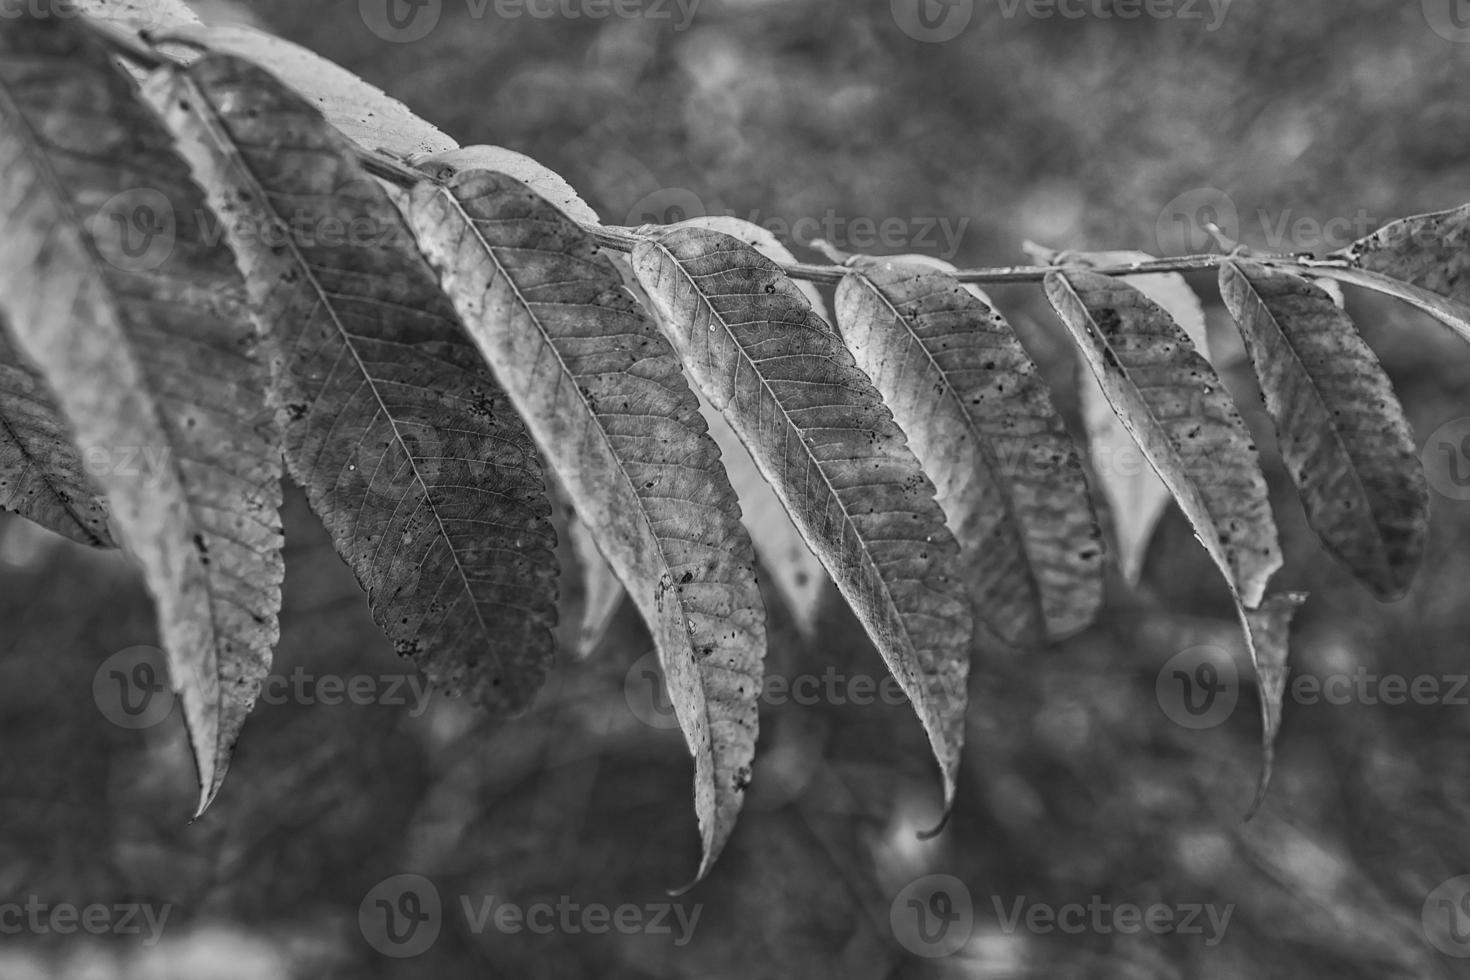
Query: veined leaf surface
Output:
(608,404)
(112,290)
(981,420)
(408,450)
(823,438)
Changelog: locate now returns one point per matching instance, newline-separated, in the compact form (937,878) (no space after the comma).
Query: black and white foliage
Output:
(456,332)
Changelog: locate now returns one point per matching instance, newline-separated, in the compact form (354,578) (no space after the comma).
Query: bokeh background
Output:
(1304,124)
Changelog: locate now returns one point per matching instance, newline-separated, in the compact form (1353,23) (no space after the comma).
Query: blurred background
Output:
(977,126)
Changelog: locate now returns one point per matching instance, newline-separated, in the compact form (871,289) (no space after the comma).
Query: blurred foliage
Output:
(1072,133)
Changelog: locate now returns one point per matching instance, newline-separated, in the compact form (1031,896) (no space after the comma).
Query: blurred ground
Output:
(1310,122)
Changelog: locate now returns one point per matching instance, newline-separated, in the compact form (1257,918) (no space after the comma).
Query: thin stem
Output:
(140,52)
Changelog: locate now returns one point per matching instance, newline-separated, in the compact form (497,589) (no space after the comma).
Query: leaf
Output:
(1267,632)
(980,419)
(1343,435)
(1451,312)
(1425,250)
(606,400)
(1177,410)
(1137,498)
(42,475)
(547,184)
(797,574)
(361,111)
(114,293)
(601,593)
(822,436)
(405,445)
(139,16)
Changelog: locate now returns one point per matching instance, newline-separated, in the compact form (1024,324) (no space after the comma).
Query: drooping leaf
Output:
(406,447)
(361,111)
(114,293)
(606,400)
(823,438)
(1268,632)
(598,593)
(1343,435)
(1177,409)
(981,420)
(43,477)
(797,574)
(1137,498)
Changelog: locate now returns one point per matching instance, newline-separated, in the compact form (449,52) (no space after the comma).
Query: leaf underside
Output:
(112,291)
(1431,251)
(607,401)
(408,450)
(820,433)
(1342,432)
(981,420)
(43,477)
